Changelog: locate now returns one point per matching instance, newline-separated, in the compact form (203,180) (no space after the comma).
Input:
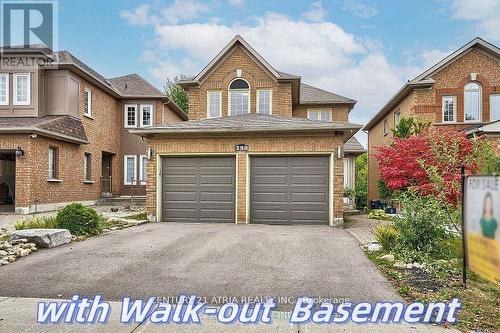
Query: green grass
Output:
(42,222)
(480,300)
(140,216)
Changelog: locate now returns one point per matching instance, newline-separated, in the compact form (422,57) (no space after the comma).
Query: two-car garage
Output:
(286,189)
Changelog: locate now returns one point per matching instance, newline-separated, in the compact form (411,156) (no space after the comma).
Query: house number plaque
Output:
(241,147)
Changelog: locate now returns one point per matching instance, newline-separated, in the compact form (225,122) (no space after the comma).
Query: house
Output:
(64,130)
(461,92)
(260,147)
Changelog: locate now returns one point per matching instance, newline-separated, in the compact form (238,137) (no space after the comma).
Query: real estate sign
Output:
(482,229)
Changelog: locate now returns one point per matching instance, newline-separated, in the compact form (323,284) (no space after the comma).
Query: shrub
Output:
(378,214)
(423,228)
(41,222)
(387,236)
(361,182)
(78,219)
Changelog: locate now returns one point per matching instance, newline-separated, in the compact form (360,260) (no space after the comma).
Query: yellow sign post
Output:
(482,225)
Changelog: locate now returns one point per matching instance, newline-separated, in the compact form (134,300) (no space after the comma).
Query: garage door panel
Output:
(198,189)
(289,189)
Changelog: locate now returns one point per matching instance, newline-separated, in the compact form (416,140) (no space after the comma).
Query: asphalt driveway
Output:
(209,260)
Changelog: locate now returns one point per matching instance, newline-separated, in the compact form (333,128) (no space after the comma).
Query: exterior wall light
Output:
(19,152)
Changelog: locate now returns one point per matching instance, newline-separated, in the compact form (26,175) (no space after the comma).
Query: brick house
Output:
(260,147)
(64,130)
(461,92)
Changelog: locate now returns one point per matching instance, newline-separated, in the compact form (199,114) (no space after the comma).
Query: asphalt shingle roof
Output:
(313,95)
(353,146)
(63,127)
(250,122)
(135,85)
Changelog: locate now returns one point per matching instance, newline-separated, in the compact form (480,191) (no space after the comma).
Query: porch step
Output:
(122,201)
(350,212)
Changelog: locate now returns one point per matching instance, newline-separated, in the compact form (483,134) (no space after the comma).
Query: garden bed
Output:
(480,300)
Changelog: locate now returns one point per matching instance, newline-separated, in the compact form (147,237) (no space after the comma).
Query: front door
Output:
(106,176)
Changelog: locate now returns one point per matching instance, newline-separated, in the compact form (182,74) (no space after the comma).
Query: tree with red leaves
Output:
(430,162)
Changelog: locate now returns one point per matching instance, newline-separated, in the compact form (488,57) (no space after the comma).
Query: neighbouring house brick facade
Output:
(439,95)
(246,118)
(69,131)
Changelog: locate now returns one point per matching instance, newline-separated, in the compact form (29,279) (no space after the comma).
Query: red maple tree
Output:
(430,162)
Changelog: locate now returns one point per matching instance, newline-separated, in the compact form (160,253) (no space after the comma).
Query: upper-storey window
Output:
(449,109)
(239,97)
(472,102)
(22,87)
(494,107)
(4,89)
(397,117)
(130,116)
(264,101)
(87,102)
(146,115)
(325,115)
(214,103)
(386,127)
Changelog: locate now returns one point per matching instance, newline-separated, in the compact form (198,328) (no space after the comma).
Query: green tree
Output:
(361,181)
(409,126)
(175,92)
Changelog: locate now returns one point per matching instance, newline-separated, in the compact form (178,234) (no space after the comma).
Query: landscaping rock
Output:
(4,262)
(388,257)
(18,240)
(374,247)
(5,245)
(46,238)
(399,265)
(26,246)
(11,258)
(3,253)
(23,252)
(33,249)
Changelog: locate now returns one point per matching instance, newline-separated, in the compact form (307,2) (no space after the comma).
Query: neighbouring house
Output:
(260,147)
(461,92)
(489,131)
(64,130)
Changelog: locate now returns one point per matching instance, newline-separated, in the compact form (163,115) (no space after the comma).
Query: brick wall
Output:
(284,144)
(426,104)
(340,112)
(254,74)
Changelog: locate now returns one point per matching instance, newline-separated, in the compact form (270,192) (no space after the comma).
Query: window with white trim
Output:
(214,103)
(397,117)
(87,102)
(87,167)
(129,169)
(4,89)
(472,102)
(130,116)
(324,115)
(264,101)
(386,126)
(22,89)
(494,107)
(53,162)
(143,169)
(239,97)
(146,115)
(449,109)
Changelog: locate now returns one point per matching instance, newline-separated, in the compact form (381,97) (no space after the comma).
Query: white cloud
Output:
(137,17)
(431,57)
(486,13)
(184,10)
(316,14)
(237,3)
(359,8)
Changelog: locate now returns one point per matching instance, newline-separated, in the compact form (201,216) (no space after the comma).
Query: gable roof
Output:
(489,128)
(353,146)
(65,128)
(425,79)
(249,123)
(313,95)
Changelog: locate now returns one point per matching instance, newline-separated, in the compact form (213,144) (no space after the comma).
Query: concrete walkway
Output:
(362,227)
(19,315)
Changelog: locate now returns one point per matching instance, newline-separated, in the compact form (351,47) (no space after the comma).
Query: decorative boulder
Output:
(46,238)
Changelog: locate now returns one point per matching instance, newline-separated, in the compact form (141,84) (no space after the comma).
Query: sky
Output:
(361,49)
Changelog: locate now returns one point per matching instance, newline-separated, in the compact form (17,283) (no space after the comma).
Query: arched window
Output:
(472,101)
(239,97)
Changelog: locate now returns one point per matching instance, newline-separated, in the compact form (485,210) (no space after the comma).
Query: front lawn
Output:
(443,282)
